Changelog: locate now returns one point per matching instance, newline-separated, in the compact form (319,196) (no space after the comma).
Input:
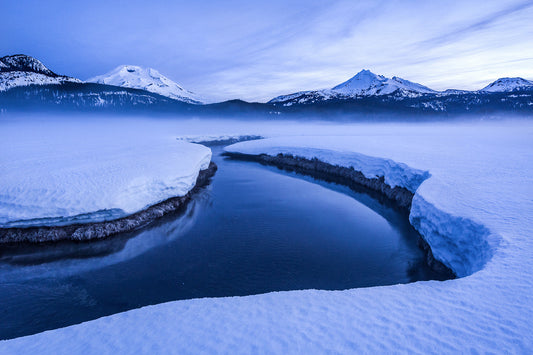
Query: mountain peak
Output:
(149,79)
(25,63)
(363,80)
(23,70)
(367,83)
(508,84)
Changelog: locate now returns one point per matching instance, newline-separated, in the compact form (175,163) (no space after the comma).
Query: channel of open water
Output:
(254,229)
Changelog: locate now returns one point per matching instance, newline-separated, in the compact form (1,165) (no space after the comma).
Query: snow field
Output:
(478,199)
(90,172)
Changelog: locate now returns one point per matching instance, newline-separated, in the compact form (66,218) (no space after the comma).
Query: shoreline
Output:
(99,230)
(399,197)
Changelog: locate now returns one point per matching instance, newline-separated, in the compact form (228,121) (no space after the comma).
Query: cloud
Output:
(257,50)
(478,25)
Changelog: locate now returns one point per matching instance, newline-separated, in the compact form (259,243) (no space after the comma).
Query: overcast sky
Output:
(255,51)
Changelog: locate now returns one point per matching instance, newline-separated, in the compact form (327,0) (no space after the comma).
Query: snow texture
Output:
(84,172)
(474,209)
(131,76)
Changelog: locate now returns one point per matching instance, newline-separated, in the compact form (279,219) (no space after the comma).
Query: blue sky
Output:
(257,50)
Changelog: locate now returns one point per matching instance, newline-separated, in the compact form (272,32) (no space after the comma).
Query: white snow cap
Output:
(367,83)
(135,77)
(508,84)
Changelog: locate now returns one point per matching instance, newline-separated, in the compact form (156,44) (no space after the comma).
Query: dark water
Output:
(255,229)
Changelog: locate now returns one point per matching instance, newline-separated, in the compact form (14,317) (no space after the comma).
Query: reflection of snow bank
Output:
(48,172)
(71,259)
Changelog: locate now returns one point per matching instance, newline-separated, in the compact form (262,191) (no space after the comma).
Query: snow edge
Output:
(461,244)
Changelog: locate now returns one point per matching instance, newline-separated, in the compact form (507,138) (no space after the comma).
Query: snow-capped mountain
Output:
(23,70)
(508,84)
(135,77)
(364,83)
(367,83)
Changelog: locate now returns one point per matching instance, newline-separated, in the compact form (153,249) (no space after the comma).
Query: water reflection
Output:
(66,258)
(255,229)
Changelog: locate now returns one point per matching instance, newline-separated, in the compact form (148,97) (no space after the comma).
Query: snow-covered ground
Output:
(475,206)
(83,170)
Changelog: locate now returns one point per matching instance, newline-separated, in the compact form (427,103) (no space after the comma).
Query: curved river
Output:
(255,229)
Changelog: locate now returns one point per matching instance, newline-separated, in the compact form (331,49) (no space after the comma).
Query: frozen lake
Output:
(255,229)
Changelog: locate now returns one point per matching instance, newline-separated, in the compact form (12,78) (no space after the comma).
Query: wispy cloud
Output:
(257,50)
(476,26)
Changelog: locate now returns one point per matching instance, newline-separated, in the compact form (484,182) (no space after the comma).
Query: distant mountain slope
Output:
(26,84)
(367,83)
(367,93)
(22,70)
(364,83)
(135,77)
(508,85)
(87,97)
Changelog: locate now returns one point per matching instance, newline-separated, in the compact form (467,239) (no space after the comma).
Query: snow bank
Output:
(75,172)
(480,187)
(396,174)
(459,243)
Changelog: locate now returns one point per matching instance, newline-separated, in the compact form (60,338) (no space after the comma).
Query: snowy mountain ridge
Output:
(149,79)
(508,84)
(365,84)
(23,70)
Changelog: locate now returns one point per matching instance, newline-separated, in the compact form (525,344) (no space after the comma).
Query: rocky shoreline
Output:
(399,197)
(98,230)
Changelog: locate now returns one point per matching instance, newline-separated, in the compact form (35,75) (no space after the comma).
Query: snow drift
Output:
(78,172)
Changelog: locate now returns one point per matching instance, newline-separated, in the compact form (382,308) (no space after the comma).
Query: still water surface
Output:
(255,229)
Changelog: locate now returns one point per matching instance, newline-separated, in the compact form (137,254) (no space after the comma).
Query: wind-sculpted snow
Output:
(395,174)
(87,172)
(457,242)
(478,200)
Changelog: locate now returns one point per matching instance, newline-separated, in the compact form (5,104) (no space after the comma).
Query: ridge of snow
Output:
(508,85)
(136,77)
